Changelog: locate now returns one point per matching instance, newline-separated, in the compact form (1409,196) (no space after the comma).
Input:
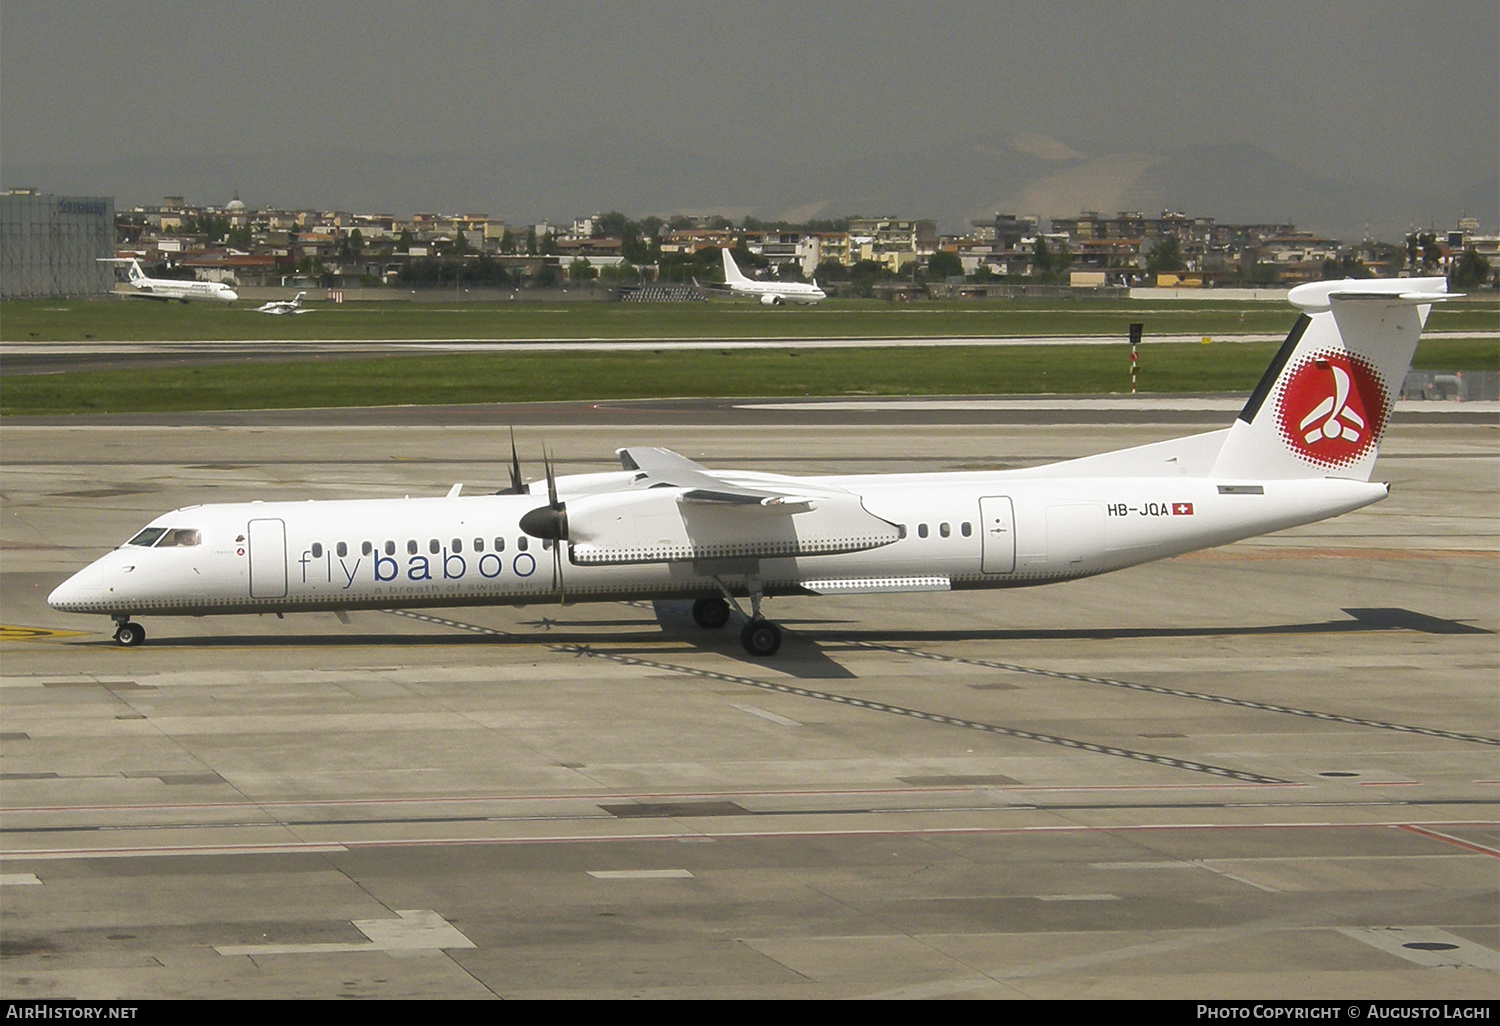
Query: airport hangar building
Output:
(50,246)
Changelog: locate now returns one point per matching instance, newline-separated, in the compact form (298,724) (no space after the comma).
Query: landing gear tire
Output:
(130,634)
(761,638)
(711,613)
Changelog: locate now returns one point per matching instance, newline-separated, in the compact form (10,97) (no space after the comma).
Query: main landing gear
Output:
(129,634)
(711,614)
(760,636)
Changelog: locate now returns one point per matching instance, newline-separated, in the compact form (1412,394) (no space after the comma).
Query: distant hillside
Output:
(615,170)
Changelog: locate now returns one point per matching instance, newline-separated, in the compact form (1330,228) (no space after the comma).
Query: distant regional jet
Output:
(285,306)
(771,293)
(166,289)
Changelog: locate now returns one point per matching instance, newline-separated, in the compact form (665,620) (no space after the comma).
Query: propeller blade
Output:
(551,482)
(517,486)
(560,515)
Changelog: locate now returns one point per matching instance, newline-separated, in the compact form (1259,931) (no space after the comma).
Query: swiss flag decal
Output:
(1182,509)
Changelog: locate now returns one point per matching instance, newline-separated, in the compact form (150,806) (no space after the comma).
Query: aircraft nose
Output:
(87,591)
(233,295)
(71,595)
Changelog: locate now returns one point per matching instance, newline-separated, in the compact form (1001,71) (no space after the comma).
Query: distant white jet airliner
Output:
(771,293)
(166,289)
(284,306)
(665,527)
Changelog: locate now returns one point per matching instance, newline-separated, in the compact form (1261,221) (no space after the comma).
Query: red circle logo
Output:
(1332,408)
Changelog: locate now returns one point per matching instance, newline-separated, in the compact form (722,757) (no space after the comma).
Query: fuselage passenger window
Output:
(522,543)
(944,530)
(343,550)
(966,528)
(317,550)
(411,546)
(921,530)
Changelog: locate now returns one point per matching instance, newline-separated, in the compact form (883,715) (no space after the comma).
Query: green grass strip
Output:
(533,377)
(143,321)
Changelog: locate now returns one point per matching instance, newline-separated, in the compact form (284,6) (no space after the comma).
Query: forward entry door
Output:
(267,558)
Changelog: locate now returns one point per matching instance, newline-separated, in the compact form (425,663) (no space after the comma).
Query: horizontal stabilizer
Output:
(1318,296)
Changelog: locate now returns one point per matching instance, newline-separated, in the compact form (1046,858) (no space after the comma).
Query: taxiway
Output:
(1269,770)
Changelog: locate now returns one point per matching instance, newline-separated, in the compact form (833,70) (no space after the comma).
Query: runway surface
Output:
(53,357)
(1267,770)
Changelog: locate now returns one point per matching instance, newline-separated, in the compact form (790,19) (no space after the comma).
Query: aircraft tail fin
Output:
(1323,404)
(731,269)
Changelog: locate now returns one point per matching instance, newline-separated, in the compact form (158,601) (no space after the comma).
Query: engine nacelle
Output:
(770,299)
(656,525)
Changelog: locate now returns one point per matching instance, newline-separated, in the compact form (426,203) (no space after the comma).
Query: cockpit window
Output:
(148,537)
(182,537)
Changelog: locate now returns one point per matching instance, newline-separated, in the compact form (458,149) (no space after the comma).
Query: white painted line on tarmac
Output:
(1050,403)
(640,874)
(1427,946)
(417,931)
(766,715)
(1153,403)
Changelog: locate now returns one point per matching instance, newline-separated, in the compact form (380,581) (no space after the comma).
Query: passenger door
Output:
(267,558)
(997,525)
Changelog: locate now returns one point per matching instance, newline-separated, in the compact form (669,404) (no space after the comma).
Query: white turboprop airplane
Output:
(285,306)
(771,293)
(664,527)
(166,289)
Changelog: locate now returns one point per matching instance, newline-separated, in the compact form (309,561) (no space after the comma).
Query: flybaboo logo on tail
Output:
(1332,409)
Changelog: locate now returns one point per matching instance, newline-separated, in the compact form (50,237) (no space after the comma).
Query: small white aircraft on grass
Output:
(771,293)
(167,289)
(285,306)
(664,527)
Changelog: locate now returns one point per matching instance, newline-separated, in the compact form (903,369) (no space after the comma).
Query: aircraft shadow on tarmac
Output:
(809,642)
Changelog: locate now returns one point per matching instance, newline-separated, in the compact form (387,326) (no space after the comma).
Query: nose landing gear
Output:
(129,634)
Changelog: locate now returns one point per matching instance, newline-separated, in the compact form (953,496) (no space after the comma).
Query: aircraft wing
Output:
(665,467)
(676,510)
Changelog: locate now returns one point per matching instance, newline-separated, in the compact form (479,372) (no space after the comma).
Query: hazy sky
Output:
(1392,91)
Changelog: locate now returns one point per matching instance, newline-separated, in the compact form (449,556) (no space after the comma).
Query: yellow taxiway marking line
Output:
(9,632)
